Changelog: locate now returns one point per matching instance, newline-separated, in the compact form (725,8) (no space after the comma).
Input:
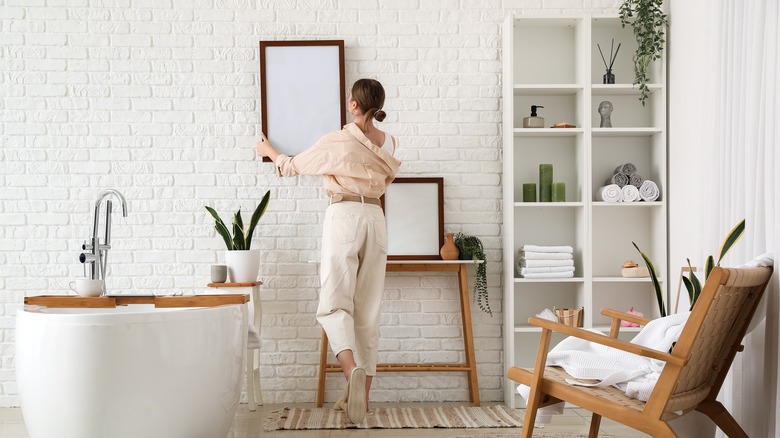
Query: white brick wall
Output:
(160,100)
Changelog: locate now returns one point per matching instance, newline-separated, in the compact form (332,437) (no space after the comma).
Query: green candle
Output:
(529,192)
(558,192)
(545,182)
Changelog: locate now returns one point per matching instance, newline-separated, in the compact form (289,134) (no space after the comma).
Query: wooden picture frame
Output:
(302,86)
(414,209)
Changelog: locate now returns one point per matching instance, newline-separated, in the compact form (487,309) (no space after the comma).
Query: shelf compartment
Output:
(557,108)
(552,57)
(614,230)
(567,156)
(603,30)
(551,226)
(625,132)
(646,153)
(628,111)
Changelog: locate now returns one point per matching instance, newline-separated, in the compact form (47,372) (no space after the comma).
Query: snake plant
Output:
(241,239)
(692,283)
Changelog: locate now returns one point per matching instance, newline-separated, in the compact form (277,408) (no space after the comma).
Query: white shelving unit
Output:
(554,62)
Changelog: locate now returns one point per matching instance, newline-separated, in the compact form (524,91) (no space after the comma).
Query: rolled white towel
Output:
(630,194)
(544,263)
(649,191)
(551,275)
(528,255)
(609,193)
(539,248)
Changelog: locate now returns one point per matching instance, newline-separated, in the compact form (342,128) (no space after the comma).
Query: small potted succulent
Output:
(470,247)
(243,262)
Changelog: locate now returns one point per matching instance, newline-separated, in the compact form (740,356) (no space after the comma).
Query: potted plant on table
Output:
(243,262)
(470,247)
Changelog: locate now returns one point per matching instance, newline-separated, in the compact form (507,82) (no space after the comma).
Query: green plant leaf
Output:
(695,284)
(222,230)
(708,265)
(238,232)
(659,295)
(731,239)
(259,212)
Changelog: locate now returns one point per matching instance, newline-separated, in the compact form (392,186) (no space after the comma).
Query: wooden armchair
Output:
(694,370)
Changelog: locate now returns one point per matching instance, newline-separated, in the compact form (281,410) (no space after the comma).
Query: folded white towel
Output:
(630,193)
(648,191)
(545,263)
(545,269)
(609,193)
(539,248)
(569,274)
(530,255)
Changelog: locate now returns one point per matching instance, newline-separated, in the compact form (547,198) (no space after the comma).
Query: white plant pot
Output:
(242,266)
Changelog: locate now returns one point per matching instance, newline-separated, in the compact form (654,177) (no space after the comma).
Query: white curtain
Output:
(741,180)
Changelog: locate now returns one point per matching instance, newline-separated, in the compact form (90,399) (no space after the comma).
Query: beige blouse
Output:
(348,162)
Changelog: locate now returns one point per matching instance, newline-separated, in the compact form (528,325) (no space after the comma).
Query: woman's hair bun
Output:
(380,115)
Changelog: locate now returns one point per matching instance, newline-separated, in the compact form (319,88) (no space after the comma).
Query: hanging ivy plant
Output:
(649,23)
(473,246)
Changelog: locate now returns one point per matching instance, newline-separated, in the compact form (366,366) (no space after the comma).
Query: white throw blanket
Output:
(633,374)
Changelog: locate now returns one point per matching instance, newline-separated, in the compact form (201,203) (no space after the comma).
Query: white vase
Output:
(242,265)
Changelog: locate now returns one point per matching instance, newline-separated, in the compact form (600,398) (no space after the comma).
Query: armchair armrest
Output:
(623,316)
(607,341)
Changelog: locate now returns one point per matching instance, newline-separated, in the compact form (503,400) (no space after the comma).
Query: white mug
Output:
(87,287)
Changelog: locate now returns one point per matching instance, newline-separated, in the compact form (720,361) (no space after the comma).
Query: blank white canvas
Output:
(412,212)
(303,95)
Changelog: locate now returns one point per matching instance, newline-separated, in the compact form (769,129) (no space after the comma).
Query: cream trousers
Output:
(354,256)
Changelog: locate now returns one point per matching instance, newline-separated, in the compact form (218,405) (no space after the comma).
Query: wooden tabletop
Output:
(74,301)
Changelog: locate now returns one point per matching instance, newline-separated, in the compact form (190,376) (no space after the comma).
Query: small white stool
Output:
(254,395)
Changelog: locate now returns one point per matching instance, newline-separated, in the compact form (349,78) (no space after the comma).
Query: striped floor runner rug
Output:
(457,417)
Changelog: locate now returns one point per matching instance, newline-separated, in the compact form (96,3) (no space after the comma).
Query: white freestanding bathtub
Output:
(132,372)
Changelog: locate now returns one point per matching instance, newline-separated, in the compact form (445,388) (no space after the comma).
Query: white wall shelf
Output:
(554,62)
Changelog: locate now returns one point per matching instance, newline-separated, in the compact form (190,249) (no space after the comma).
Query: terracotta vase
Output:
(449,251)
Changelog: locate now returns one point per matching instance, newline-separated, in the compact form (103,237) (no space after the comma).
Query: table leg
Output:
(468,336)
(323,364)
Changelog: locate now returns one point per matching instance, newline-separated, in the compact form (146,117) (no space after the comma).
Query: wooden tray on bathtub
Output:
(73,301)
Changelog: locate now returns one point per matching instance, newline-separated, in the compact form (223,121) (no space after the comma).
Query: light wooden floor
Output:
(250,425)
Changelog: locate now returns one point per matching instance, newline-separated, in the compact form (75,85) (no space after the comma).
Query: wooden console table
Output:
(469,367)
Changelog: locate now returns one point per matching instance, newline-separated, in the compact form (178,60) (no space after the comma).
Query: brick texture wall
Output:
(159,99)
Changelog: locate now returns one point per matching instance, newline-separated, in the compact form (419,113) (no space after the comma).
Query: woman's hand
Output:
(265,149)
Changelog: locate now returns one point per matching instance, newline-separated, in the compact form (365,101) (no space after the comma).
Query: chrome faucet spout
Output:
(98,256)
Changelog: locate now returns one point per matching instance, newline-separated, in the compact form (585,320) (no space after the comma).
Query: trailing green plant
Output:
(649,24)
(472,245)
(692,283)
(241,239)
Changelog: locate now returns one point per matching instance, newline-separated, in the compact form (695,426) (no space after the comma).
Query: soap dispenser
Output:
(533,121)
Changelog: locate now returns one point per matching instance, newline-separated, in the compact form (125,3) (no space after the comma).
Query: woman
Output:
(357,164)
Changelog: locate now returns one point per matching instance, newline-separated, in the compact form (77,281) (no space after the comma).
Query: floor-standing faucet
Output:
(97,256)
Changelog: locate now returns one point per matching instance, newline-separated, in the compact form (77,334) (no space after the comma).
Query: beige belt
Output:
(339,197)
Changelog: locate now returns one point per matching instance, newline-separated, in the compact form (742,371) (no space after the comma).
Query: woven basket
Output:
(572,317)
